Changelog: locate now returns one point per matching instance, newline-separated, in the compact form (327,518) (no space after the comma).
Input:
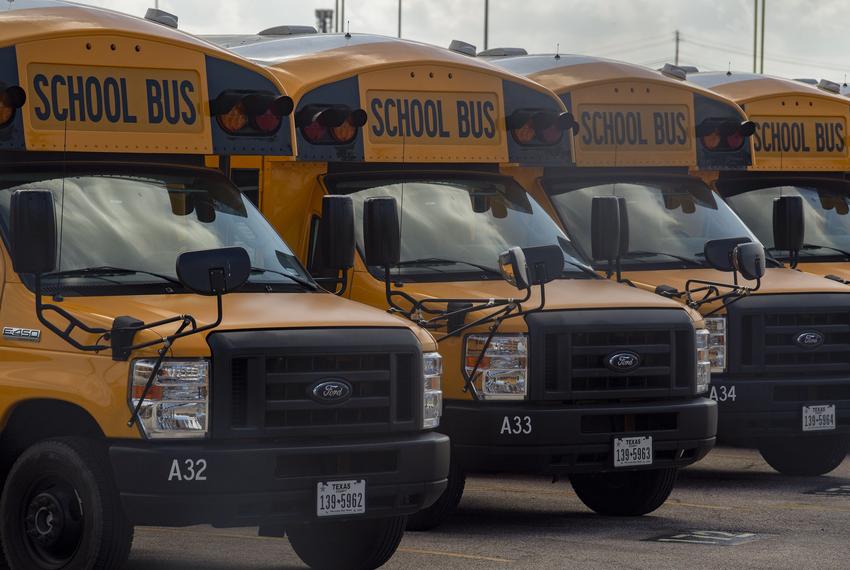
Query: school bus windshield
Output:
(826,211)
(669,219)
(129,219)
(455,225)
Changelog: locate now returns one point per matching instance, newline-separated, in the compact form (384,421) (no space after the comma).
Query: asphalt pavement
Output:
(730,510)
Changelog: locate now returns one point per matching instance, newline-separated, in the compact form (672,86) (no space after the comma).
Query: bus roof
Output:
(562,72)
(748,87)
(308,60)
(48,18)
(102,81)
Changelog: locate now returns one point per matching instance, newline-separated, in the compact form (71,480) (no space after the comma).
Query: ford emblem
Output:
(331,391)
(809,339)
(624,361)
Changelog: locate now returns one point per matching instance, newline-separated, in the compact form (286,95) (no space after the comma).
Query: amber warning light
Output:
(12,98)
(243,113)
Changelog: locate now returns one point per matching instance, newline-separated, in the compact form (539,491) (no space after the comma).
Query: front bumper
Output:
(562,439)
(249,484)
(770,407)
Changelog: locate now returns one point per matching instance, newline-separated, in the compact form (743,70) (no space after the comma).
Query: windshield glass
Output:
(669,219)
(142,219)
(456,225)
(826,211)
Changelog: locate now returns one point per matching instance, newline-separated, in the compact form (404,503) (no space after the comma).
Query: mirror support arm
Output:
(712,292)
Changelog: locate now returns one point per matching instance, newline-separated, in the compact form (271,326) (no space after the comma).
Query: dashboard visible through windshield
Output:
(826,212)
(457,226)
(127,226)
(669,219)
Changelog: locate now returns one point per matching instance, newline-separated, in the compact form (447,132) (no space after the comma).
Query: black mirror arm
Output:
(181,332)
(73,323)
(711,290)
(497,317)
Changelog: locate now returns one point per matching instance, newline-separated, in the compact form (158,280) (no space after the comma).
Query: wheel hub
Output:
(45,519)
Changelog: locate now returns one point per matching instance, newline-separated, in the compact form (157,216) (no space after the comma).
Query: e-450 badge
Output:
(17,333)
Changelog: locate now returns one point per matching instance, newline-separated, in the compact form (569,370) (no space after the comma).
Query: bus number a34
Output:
(723,393)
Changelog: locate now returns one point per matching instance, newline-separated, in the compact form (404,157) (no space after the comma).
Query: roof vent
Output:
(675,71)
(462,47)
(831,86)
(503,52)
(807,80)
(289,31)
(161,17)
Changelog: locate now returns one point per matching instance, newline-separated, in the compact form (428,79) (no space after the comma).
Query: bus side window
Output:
(248,182)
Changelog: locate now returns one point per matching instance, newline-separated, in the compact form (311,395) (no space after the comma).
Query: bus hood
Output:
(839,269)
(241,311)
(775,281)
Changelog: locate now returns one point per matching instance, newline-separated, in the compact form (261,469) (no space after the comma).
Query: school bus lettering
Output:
(775,136)
(115,99)
(433,118)
(636,127)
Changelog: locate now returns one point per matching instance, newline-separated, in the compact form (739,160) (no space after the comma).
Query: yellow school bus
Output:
(656,144)
(165,359)
(801,152)
(600,382)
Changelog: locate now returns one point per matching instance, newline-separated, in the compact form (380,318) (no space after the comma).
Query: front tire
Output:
(347,545)
(60,509)
(444,507)
(807,456)
(626,493)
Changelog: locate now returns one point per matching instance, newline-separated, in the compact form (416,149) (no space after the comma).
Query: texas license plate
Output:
(630,451)
(819,418)
(335,498)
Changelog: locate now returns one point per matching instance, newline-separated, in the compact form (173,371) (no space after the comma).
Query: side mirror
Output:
(749,260)
(605,228)
(381,235)
(719,252)
(544,263)
(514,269)
(33,231)
(214,271)
(336,233)
(788,225)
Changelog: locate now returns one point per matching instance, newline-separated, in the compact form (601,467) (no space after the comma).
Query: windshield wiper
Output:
(583,268)
(298,280)
(107,270)
(641,253)
(434,261)
(809,246)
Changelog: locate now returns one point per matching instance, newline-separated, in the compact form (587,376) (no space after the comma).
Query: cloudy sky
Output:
(805,38)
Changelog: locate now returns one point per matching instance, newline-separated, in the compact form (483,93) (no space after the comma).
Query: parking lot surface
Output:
(730,510)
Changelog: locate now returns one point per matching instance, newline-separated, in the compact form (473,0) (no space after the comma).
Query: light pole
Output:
(486,21)
(399,18)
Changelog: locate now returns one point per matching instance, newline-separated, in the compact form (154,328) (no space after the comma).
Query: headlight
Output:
(703,362)
(432,402)
(176,406)
(717,343)
(504,368)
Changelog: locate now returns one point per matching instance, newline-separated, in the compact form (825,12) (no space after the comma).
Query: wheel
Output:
(626,493)
(444,507)
(60,509)
(805,456)
(347,545)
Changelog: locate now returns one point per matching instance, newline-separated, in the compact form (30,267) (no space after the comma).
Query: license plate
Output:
(630,451)
(819,418)
(335,498)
